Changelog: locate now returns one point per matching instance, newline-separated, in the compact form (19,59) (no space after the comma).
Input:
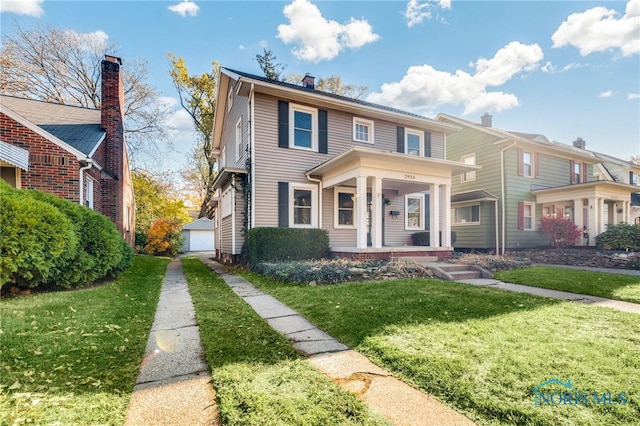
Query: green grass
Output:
(258,377)
(72,357)
(611,286)
(481,350)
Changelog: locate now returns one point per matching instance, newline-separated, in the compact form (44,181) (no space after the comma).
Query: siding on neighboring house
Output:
(239,111)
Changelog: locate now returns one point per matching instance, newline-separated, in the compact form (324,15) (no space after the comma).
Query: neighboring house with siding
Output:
(292,156)
(75,153)
(524,177)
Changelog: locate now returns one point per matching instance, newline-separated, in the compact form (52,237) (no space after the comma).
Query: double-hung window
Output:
(527,216)
(88,193)
(413,142)
(238,140)
(577,168)
(344,201)
(362,130)
(414,208)
(527,163)
(469,176)
(304,127)
(303,209)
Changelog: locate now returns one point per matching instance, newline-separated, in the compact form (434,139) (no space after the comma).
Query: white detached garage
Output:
(199,235)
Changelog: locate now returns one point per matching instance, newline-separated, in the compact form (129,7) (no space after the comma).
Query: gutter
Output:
(81,179)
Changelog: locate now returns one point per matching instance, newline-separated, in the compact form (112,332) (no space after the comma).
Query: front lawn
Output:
(480,350)
(258,377)
(73,357)
(611,286)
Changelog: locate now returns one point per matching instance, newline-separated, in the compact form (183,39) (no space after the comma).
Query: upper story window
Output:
(527,163)
(414,212)
(413,142)
(304,128)
(576,172)
(344,207)
(634,179)
(362,130)
(230,99)
(239,139)
(469,176)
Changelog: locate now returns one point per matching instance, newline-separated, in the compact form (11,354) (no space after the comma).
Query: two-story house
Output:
(75,153)
(524,177)
(293,156)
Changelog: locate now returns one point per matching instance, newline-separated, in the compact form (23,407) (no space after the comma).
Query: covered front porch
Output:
(379,199)
(590,205)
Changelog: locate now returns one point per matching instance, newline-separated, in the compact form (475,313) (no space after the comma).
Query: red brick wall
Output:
(51,168)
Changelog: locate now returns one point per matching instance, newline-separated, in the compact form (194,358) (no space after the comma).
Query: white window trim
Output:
(88,196)
(223,158)
(533,216)
(230,99)
(531,164)
(420,135)
(363,122)
(453,215)
(336,216)
(238,139)
(314,126)
(468,176)
(226,203)
(314,205)
(420,226)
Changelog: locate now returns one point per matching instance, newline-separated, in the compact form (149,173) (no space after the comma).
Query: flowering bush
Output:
(561,232)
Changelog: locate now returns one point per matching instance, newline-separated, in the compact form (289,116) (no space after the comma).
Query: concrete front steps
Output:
(457,272)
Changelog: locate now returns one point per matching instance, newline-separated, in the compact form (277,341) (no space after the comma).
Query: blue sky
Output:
(561,68)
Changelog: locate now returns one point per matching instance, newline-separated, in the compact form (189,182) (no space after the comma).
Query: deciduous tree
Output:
(332,84)
(198,98)
(62,66)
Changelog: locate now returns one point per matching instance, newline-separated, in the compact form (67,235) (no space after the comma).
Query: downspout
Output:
(502,185)
(252,146)
(497,228)
(81,179)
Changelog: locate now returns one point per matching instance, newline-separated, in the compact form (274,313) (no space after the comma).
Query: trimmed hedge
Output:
(281,244)
(93,248)
(622,236)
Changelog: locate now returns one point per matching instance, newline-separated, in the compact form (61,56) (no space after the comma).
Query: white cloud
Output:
(607,94)
(416,11)
(552,69)
(22,7)
(96,40)
(597,29)
(185,8)
(320,39)
(241,47)
(632,96)
(424,87)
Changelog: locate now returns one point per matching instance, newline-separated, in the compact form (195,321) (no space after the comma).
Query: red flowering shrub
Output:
(560,231)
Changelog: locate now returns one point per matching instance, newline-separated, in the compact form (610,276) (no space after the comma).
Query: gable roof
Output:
(77,127)
(317,98)
(201,224)
(536,140)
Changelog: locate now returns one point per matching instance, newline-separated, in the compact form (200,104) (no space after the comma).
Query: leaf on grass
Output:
(15,386)
(71,309)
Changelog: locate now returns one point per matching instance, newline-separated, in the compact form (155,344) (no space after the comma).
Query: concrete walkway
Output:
(399,402)
(174,386)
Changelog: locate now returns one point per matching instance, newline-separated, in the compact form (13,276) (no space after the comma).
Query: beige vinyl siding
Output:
(239,215)
(275,164)
(225,235)
(394,232)
(437,145)
(238,112)
(338,237)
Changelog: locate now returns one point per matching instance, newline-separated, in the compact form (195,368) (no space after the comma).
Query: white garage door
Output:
(202,241)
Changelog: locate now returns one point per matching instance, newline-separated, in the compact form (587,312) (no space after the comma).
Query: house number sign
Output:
(410,177)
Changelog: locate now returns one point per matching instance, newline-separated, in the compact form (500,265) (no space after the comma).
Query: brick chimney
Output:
(486,120)
(579,143)
(112,122)
(308,81)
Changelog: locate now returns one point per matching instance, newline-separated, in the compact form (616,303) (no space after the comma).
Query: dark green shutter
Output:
(283,204)
(400,139)
(283,124)
(427,144)
(323,140)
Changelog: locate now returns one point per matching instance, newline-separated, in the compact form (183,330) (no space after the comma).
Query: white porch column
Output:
(376,212)
(446,213)
(601,217)
(361,212)
(578,214)
(625,211)
(594,219)
(434,215)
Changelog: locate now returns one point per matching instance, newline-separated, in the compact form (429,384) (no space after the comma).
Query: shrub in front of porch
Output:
(281,244)
(561,232)
(622,236)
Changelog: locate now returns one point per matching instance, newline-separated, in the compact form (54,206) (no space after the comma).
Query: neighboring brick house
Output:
(293,156)
(524,177)
(75,153)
